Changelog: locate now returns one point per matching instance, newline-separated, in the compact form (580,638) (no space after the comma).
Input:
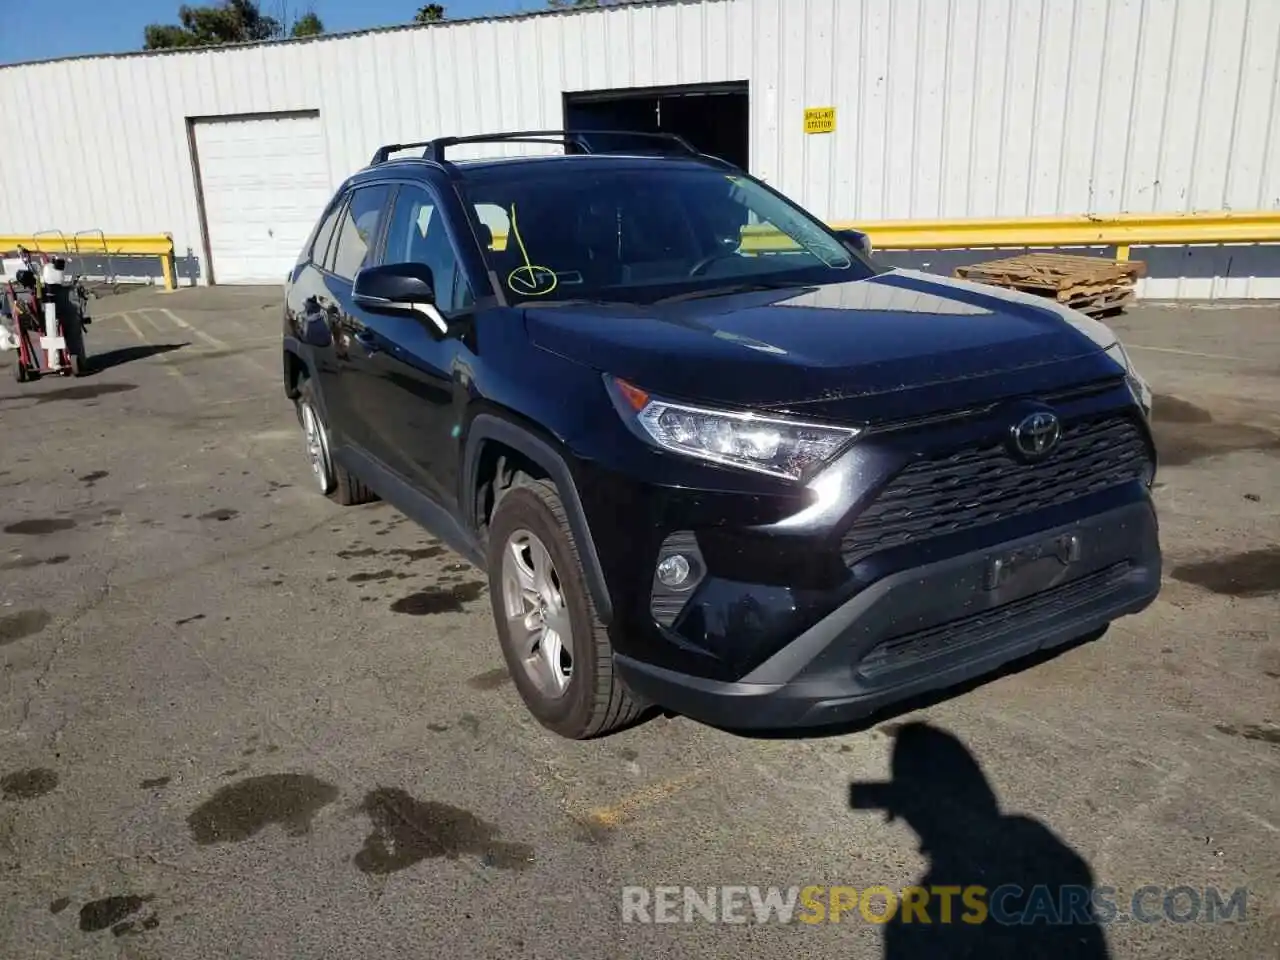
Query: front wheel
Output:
(556,648)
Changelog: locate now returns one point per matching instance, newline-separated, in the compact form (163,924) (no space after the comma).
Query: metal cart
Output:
(41,308)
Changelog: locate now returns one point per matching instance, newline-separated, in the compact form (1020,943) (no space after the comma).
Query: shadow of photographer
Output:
(997,885)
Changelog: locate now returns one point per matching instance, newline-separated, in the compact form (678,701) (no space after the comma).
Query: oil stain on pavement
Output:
(24,623)
(26,563)
(28,784)
(221,514)
(240,810)
(412,556)
(1251,732)
(407,831)
(89,479)
(132,926)
(39,527)
(354,553)
(1253,573)
(490,679)
(109,911)
(439,599)
(374,577)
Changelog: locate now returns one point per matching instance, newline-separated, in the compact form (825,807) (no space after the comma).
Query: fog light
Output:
(677,571)
(673,571)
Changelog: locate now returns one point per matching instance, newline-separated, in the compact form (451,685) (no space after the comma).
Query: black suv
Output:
(713,456)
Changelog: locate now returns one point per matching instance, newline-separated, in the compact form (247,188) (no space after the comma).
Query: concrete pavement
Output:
(238,720)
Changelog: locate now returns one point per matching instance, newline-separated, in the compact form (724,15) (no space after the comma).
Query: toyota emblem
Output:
(1035,435)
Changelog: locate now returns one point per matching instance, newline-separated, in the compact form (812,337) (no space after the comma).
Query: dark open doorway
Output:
(715,118)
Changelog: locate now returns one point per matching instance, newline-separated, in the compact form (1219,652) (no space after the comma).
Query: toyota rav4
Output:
(712,454)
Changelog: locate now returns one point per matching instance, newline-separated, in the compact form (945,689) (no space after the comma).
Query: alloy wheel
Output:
(537,615)
(317,440)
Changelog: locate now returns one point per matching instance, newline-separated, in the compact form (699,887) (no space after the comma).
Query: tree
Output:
(307,25)
(579,4)
(429,13)
(232,21)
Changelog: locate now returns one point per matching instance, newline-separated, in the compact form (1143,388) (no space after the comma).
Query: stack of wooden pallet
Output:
(1092,285)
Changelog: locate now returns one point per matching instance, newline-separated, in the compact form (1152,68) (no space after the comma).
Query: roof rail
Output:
(435,149)
(387,149)
(578,138)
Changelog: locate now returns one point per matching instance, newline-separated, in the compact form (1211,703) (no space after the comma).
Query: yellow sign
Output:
(820,120)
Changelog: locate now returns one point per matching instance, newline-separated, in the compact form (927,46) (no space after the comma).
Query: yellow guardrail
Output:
(91,243)
(1123,230)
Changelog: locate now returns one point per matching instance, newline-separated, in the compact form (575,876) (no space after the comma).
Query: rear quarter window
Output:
(320,246)
(358,231)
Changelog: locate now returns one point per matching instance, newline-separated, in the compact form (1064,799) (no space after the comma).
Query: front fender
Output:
(490,428)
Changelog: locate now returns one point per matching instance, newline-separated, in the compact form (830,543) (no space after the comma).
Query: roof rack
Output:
(384,152)
(435,149)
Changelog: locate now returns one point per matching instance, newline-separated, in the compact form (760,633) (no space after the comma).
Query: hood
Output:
(901,333)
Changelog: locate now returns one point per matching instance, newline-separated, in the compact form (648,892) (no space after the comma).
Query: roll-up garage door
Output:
(264,182)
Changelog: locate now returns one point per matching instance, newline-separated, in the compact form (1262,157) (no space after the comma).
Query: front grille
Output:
(983,485)
(973,630)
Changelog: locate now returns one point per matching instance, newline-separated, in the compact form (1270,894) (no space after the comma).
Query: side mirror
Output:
(399,289)
(856,240)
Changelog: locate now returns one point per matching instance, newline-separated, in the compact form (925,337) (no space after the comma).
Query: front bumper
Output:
(931,627)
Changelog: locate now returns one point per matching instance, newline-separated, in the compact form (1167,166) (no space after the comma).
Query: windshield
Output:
(639,234)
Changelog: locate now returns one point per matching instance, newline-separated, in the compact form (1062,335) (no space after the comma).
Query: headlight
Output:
(777,446)
(1137,386)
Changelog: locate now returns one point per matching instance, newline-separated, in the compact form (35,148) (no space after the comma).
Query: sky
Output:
(84,27)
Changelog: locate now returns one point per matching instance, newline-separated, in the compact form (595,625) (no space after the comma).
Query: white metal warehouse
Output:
(935,108)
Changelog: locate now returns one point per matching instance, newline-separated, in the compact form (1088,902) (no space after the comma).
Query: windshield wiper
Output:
(728,290)
(573,302)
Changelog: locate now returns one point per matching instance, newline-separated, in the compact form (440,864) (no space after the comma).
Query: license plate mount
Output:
(1043,560)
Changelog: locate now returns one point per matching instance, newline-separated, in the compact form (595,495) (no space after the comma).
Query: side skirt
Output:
(420,509)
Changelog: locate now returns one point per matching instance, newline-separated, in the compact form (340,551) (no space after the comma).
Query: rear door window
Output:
(361,224)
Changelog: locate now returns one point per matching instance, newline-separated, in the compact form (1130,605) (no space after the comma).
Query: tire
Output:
(334,480)
(73,331)
(593,700)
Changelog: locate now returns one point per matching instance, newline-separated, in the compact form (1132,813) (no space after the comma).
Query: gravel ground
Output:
(238,720)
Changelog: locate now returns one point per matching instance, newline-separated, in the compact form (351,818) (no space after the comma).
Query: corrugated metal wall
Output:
(945,108)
